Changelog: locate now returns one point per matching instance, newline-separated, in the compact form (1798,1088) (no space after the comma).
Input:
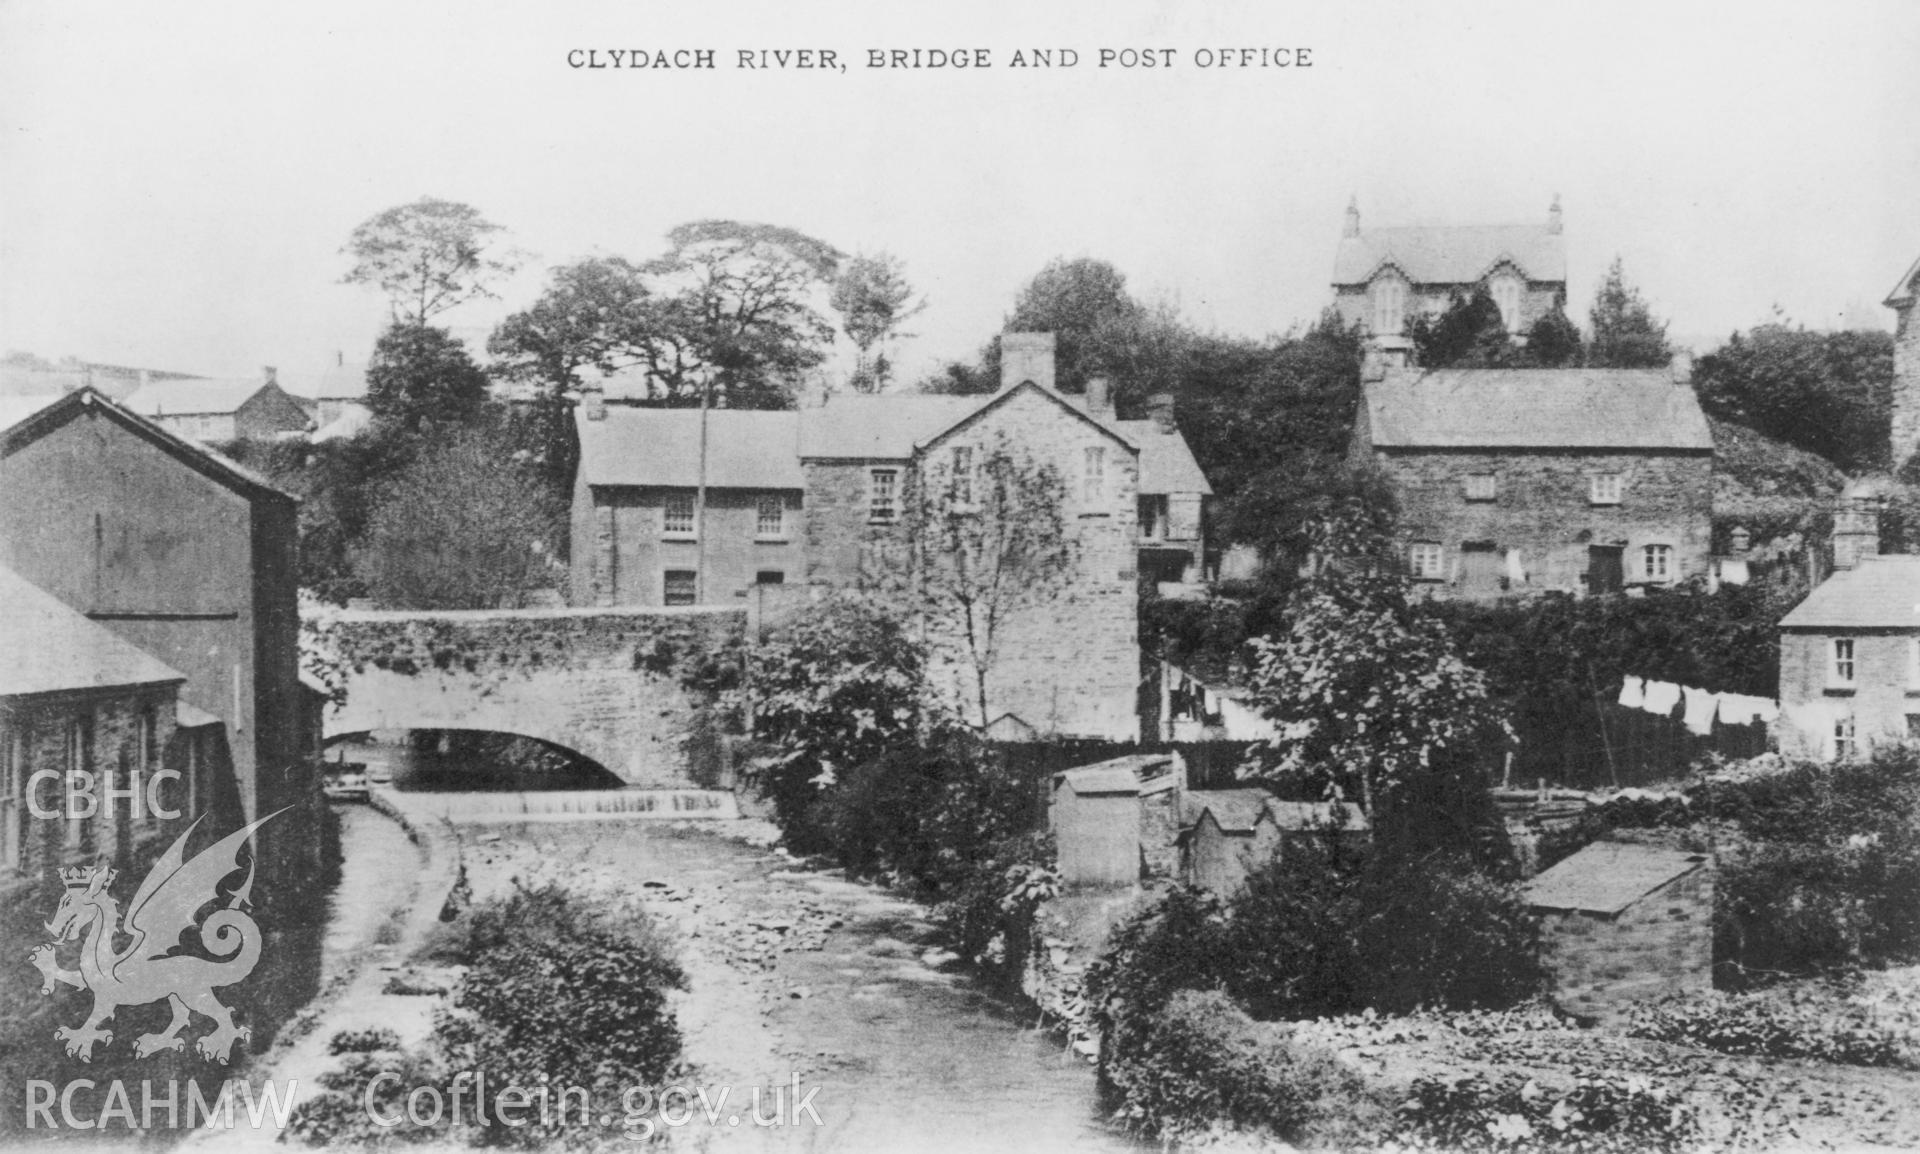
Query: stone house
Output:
(77,698)
(827,496)
(1521,480)
(1229,833)
(1385,277)
(1850,661)
(1116,822)
(184,555)
(214,410)
(1906,366)
(1624,922)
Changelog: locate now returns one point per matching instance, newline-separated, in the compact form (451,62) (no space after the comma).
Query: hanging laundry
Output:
(1661,697)
(1632,692)
(1700,709)
(1516,572)
(1740,709)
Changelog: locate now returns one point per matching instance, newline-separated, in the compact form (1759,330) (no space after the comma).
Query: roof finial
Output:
(1553,216)
(1353,216)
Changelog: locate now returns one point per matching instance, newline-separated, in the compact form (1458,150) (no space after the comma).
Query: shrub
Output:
(1749,1025)
(1602,1112)
(557,988)
(1203,1061)
(363,1041)
(338,1114)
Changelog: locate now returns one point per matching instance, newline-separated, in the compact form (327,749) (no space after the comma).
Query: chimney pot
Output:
(593,399)
(1553,216)
(1160,409)
(1100,397)
(340,358)
(1681,368)
(1353,217)
(271,374)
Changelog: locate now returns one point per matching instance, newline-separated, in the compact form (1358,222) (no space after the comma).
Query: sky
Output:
(176,181)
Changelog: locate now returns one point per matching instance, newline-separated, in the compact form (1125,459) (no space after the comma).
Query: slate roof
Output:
(198,457)
(1882,592)
(1166,463)
(1535,408)
(13,410)
(51,647)
(342,383)
(205,396)
(1903,292)
(1452,254)
(746,449)
(883,427)
(1607,877)
(22,381)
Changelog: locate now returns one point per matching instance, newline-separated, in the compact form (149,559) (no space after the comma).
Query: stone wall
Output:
(628,554)
(626,688)
(1662,944)
(1541,508)
(845,547)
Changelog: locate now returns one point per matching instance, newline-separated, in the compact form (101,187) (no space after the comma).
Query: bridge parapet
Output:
(624,687)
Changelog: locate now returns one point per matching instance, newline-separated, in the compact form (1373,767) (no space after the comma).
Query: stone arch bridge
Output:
(628,688)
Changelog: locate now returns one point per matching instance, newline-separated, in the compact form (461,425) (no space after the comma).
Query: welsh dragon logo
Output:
(150,967)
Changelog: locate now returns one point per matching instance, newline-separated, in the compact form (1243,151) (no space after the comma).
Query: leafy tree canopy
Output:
(421,375)
(873,298)
(1468,334)
(1625,335)
(1084,302)
(428,257)
(1828,393)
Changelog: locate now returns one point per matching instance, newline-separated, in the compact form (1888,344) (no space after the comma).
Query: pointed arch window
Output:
(1389,306)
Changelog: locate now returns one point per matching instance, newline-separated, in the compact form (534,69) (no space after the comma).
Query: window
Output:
(79,759)
(676,516)
(1842,673)
(962,475)
(1389,306)
(147,759)
(1913,727)
(1425,561)
(1913,664)
(770,516)
(769,577)
(679,587)
(1605,488)
(1153,516)
(1846,745)
(13,810)
(1506,294)
(1482,486)
(883,495)
(1657,562)
(1093,487)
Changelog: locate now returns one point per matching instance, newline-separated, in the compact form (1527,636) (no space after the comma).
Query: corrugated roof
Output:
(1882,592)
(1607,877)
(212,396)
(50,647)
(1452,254)
(1535,408)
(1166,463)
(883,427)
(746,449)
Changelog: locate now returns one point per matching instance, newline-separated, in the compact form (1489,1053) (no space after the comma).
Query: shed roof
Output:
(1535,408)
(1882,592)
(746,449)
(1233,810)
(52,647)
(1452,255)
(196,397)
(1607,877)
(1134,773)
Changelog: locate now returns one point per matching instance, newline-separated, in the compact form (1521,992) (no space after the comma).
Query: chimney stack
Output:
(1741,541)
(340,358)
(1856,526)
(593,400)
(1681,368)
(1160,411)
(1373,366)
(271,374)
(146,378)
(1026,357)
(1353,217)
(1553,216)
(1100,397)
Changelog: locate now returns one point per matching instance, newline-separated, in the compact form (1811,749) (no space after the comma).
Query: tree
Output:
(1554,341)
(1371,697)
(1080,301)
(465,526)
(428,257)
(420,374)
(1625,335)
(989,541)
(871,295)
(1468,334)
(1828,393)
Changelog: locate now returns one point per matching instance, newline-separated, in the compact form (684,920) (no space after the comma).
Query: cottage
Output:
(1115,822)
(210,410)
(179,552)
(1624,922)
(1523,480)
(1232,832)
(1385,277)
(1850,661)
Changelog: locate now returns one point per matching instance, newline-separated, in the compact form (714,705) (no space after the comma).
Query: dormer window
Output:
(1389,306)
